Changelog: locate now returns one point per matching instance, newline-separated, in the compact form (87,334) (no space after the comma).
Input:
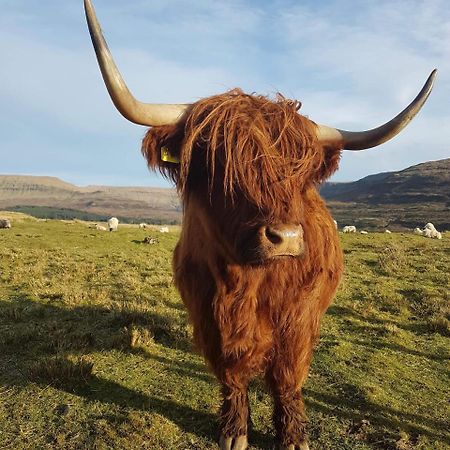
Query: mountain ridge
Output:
(399,199)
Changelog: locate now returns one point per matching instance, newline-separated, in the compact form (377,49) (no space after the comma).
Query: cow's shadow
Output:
(83,330)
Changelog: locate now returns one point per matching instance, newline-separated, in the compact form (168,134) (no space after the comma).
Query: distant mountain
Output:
(407,198)
(398,200)
(51,197)
(426,182)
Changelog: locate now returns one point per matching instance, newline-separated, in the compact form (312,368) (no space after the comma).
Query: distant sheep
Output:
(388,232)
(5,223)
(363,232)
(164,230)
(349,229)
(100,227)
(436,234)
(113,224)
(143,225)
(335,224)
(428,231)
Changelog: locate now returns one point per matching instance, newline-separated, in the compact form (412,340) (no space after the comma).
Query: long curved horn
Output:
(360,140)
(133,110)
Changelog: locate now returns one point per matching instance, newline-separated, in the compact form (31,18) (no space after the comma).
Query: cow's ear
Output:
(161,148)
(330,157)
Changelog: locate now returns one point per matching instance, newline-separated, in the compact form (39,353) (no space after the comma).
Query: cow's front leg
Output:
(234,418)
(285,379)
(290,421)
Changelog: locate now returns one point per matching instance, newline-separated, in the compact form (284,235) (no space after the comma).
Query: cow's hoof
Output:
(233,443)
(302,446)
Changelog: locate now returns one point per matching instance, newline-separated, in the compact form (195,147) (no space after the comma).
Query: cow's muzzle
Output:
(281,240)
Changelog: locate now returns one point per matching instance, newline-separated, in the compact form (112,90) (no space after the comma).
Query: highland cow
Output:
(258,260)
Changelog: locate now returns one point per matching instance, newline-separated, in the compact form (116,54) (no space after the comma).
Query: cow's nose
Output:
(282,240)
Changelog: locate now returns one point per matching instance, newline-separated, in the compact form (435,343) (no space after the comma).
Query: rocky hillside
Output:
(407,198)
(427,182)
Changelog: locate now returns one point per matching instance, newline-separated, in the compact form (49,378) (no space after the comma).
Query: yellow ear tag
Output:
(167,157)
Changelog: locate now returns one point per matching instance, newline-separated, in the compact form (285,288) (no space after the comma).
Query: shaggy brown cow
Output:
(258,260)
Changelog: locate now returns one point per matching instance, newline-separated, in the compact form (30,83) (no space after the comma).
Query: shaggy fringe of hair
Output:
(263,146)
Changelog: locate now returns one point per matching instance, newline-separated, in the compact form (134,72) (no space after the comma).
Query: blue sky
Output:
(352,64)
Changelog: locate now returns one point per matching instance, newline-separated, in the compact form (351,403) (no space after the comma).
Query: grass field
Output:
(95,347)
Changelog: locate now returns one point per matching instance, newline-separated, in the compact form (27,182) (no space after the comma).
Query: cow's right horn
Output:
(133,110)
(360,140)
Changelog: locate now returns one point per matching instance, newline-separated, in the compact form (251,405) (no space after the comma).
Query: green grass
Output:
(49,212)
(95,347)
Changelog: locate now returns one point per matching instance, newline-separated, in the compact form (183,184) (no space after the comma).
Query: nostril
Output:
(273,236)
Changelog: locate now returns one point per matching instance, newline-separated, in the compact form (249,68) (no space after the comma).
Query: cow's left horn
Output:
(360,140)
(133,110)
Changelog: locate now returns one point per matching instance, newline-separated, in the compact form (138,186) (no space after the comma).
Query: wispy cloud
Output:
(351,67)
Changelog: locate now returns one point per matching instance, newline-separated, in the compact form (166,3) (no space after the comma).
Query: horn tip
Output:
(430,80)
(433,74)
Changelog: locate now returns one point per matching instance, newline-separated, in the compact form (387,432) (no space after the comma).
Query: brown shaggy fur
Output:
(245,162)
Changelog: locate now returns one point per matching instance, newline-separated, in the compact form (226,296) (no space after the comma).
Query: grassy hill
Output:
(95,347)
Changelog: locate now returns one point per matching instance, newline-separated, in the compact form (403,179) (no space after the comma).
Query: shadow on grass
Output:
(41,335)
(54,327)
(361,330)
(200,423)
(190,420)
(184,368)
(39,330)
(381,416)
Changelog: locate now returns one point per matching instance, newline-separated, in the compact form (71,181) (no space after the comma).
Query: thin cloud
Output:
(351,67)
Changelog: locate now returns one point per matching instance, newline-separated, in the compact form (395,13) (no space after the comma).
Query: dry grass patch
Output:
(60,371)
(392,259)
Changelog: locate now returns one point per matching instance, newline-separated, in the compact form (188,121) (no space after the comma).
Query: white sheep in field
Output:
(428,231)
(388,232)
(113,224)
(100,227)
(5,223)
(335,224)
(143,225)
(363,232)
(164,230)
(349,229)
